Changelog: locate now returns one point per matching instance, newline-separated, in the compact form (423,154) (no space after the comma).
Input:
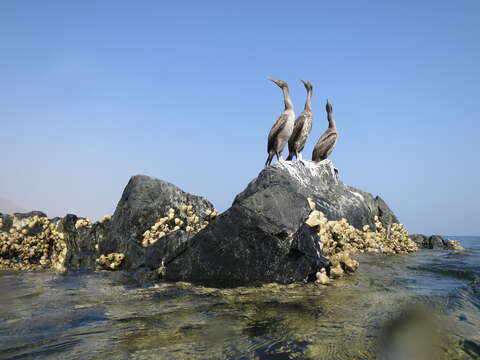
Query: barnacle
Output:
(339,240)
(184,219)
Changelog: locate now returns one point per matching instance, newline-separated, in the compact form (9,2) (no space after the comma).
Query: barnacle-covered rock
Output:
(283,225)
(31,241)
(82,222)
(336,271)
(322,277)
(184,219)
(151,211)
(455,245)
(340,240)
(110,261)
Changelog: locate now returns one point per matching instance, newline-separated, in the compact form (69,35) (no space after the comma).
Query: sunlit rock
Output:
(285,226)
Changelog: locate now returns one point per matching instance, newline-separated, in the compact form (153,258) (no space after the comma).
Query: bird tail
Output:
(269,159)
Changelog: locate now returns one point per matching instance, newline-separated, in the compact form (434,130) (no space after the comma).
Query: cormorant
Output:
(283,127)
(302,127)
(326,143)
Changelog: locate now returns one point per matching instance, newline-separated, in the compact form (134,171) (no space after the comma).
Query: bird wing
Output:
(297,129)
(324,145)
(275,130)
(298,126)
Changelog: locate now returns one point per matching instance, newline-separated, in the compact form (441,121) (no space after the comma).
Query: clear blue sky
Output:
(92,92)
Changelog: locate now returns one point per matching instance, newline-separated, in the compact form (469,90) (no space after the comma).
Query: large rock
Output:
(269,234)
(438,242)
(31,241)
(435,242)
(421,240)
(143,202)
(83,242)
(318,181)
(263,236)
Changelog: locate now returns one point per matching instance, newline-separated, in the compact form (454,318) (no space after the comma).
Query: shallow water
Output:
(104,316)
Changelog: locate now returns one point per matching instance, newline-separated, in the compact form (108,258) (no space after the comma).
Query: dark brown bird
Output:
(327,141)
(283,127)
(302,127)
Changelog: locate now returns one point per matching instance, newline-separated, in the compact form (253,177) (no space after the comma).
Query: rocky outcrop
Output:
(420,239)
(31,241)
(149,210)
(295,222)
(318,181)
(264,236)
(435,242)
(83,241)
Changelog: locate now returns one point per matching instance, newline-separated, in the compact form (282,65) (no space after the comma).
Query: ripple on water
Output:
(70,315)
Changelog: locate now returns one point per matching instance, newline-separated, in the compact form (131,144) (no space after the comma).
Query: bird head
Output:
(328,107)
(307,84)
(280,83)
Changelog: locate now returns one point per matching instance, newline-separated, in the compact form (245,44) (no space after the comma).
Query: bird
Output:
(327,141)
(283,127)
(302,127)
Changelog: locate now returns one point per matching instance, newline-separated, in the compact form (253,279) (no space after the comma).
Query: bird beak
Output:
(275,81)
(307,85)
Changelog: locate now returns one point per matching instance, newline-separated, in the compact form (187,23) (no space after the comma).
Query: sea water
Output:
(85,315)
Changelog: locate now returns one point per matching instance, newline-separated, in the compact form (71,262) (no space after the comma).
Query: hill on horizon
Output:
(9,207)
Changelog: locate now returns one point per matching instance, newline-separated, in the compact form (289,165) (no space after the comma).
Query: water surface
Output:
(106,316)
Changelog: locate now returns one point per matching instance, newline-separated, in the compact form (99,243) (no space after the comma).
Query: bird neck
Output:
(331,121)
(287,100)
(308,102)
